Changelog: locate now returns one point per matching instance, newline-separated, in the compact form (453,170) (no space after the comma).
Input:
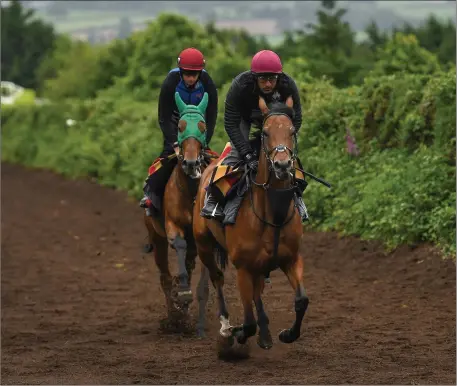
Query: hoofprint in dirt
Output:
(81,304)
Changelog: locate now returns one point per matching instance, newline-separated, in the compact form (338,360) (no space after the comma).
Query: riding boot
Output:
(212,209)
(151,203)
(298,199)
(145,202)
(299,203)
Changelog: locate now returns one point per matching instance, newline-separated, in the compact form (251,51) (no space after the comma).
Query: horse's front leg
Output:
(161,260)
(176,240)
(191,256)
(246,288)
(264,340)
(294,273)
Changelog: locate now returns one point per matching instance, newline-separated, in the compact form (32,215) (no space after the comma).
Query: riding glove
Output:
(251,161)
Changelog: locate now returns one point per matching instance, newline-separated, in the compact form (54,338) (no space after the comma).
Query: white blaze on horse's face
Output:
(279,140)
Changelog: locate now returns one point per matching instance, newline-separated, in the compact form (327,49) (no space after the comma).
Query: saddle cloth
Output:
(224,177)
(160,162)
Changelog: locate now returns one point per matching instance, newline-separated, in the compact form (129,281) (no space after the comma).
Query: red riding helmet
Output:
(266,61)
(191,59)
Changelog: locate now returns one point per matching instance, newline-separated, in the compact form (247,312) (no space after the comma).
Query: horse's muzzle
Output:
(282,169)
(192,168)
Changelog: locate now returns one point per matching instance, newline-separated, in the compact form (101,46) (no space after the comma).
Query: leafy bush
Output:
(390,195)
(399,111)
(403,53)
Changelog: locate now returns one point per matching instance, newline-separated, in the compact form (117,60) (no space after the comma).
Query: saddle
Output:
(233,182)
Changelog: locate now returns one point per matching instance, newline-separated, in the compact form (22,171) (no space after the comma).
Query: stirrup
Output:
(145,202)
(214,213)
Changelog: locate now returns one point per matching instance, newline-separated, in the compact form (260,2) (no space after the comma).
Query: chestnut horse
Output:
(174,227)
(266,235)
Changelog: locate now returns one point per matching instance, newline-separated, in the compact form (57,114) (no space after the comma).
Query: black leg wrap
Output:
(249,329)
(301,304)
(180,245)
(245,331)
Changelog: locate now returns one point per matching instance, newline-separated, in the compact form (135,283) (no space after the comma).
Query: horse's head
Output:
(279,137)
(191,135)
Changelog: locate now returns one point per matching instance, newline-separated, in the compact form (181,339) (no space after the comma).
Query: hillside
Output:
(266,18)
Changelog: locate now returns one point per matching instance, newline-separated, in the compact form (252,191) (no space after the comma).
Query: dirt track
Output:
(70,315)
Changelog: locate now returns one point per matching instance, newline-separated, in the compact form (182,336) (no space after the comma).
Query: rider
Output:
(191,81)
(265,79)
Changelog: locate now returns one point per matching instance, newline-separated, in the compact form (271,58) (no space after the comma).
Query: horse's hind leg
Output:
(246,288)
(294,273)
(264,340)
(149,246)
(206,252)
(202,296)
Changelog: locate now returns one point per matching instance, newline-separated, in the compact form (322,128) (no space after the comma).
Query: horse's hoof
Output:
(288,336)
(264,345)
(148,248)
(242,339)
(265,342)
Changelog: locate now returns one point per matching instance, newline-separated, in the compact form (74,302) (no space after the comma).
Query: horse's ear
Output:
(263,106)
(179,102)
(203,104)
(290,102)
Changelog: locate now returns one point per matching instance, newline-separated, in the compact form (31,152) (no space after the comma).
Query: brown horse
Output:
(174,227)
(266,235)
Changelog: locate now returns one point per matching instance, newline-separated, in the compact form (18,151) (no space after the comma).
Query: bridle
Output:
(190,182)
(270,155)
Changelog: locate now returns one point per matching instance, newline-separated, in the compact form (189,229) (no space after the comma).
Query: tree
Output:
(25,42)
(157,48)
(125,28)
(77,73)
(403,53)
(436,36)
(375,37)
(331,46)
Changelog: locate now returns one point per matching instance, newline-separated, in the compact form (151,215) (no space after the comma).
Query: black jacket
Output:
(168,111)
(242,102)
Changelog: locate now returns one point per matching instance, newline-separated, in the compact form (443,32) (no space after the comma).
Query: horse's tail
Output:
(221,256)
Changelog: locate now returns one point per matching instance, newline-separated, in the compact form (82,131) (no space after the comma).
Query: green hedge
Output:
(401,189)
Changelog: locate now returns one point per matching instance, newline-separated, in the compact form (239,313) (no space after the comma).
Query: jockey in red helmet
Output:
(191,81)
(191,59)
(267,79)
